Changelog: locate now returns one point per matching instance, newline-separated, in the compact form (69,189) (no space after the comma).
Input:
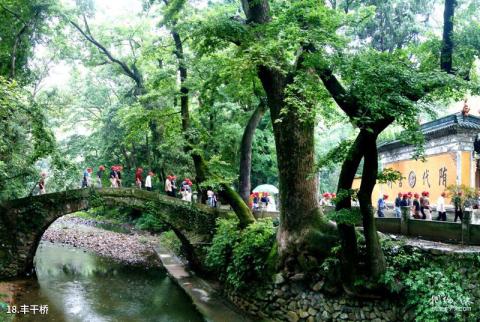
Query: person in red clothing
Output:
(138,177)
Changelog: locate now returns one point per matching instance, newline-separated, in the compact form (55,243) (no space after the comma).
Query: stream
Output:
(81,286)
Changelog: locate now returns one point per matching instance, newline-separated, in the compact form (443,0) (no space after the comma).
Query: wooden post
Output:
(466,221)
(404,220)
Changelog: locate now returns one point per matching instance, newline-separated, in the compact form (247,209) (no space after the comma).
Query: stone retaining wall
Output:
(292,302)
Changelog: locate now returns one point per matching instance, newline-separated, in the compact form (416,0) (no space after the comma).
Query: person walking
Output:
(458,203)
(113,177)
(186,195)
(442,213)
(86,178)
(421,206)
(398,201)
(410,198)
(101,170)
(118,172)
(211,194)
(174,186)
(382,206)
(168,186)
(186,185)
(404,202)
(214,200)
(148,181)
(138,177)
(41,184)
(416,206)
(427,214)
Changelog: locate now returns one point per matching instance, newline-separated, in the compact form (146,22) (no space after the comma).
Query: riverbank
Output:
(132,248)
(135,247)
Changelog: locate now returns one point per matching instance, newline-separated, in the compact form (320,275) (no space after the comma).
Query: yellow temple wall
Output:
(434,175)
(466,167)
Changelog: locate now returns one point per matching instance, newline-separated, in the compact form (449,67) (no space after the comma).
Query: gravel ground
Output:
(134,248)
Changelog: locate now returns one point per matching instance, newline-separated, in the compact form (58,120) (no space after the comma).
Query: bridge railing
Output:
(464,232)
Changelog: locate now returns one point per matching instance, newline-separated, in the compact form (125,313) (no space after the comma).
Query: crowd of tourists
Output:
(327,199)
(172,189)
(115,178)
(419,205)
(262,201)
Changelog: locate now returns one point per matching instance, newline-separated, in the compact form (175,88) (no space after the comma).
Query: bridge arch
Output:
(24,221)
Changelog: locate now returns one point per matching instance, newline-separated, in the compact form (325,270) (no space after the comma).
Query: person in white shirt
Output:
(186,195)
(168,186)
(148,181)
(210,195)
(271,204)
(442,213)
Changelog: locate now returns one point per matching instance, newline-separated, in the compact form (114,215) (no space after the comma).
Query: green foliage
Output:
(389,175)
(388,25)
(169,240)
(433,287)
(4,317)
(351,216)
(336,155)
(220,252)
(25,139)
(149,220)
(96,200)
(343,193)
(242,258)
(468,195)
(23,24)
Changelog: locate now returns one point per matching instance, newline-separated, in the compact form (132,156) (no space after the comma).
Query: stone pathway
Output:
(437,247)
(208,300)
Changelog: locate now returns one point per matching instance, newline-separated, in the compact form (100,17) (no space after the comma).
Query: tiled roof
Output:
(446,125)
(453,120)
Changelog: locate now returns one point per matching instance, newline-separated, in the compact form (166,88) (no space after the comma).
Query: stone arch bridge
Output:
(23,221)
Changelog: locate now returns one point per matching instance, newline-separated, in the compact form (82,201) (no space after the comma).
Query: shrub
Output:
(220,253)
(436,294)
(150,219)
(432,287)
(250,254)
(150,222)
(241,257)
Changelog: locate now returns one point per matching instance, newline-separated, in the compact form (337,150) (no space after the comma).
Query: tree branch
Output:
(88,35)
(13,13)
(344,99)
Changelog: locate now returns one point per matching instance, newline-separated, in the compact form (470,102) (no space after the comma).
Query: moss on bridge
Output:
(23,221)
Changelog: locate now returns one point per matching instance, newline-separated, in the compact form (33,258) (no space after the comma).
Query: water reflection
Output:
(79,286)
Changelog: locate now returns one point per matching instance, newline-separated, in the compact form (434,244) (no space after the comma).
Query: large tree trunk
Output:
(375,258)
(304,234)
(246,152)
(303,231)
(447,43)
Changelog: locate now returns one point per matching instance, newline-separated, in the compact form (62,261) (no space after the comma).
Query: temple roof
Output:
(447,125)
